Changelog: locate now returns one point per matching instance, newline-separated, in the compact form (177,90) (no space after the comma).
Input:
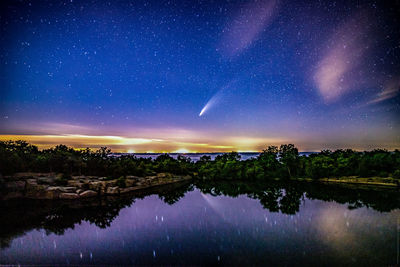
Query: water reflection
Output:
(286,197)
(19,216)
(221,222)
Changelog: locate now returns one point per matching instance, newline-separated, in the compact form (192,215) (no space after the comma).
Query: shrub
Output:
(396,174)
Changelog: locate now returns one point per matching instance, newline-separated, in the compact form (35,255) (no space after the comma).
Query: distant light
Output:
(131,151)
(181,150)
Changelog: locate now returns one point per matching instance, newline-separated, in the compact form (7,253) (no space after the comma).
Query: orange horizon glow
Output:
(121,144)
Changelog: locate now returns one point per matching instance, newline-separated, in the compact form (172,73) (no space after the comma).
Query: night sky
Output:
(196,76)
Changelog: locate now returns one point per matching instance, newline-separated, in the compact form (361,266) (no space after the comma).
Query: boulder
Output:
(35,190)
(22,175)
(67,189)
(69,196)
(88,193)
(98,186)
(74,183)
(52,192)
(113,190)
(133,177)
(45,180)
(130,182)
(63,189)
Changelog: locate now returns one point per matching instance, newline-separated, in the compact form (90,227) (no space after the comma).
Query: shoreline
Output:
(48,185)
(362,181)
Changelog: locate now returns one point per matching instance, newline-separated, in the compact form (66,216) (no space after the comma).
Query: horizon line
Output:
(120,145)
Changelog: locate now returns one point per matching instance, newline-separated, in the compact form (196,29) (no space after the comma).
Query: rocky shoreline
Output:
(53,186)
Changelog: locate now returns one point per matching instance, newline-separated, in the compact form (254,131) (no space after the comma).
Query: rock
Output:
(69,196)
(88,193)
(112,190)
(43,185)
(97,186)
(133,177)
(128,189)
(31,182)
(187,177)
(23,175)
(130,182)
(82,184)
(79,177)
(45,180)
(15,186)
(63,189)
(52,192)
(34,190)
(67,189)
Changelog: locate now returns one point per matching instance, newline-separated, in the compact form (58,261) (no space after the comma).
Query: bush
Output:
(396,174)
(383,174)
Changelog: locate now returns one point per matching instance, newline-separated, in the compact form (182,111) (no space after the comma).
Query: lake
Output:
(227,223)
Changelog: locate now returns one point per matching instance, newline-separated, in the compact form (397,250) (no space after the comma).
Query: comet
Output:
(215,99)
(212,102)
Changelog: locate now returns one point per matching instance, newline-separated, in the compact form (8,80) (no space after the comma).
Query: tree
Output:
(289,155)
(268,159)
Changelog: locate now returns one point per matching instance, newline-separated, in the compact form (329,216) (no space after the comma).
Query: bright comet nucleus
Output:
(203,110)
(213,100)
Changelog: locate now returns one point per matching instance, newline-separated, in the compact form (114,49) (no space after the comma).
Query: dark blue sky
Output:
(135,75)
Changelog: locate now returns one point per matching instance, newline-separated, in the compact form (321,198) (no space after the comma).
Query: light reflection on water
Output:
(204,229)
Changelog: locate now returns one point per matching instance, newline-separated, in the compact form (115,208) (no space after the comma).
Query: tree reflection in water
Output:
(20,216)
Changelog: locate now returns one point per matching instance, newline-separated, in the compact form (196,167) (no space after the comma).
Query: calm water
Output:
(228,224)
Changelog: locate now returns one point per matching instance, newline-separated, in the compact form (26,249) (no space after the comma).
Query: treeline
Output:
(273,162)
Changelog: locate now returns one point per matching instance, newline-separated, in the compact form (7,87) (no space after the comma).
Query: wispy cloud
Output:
(340,68)
(390,90)
(246,26)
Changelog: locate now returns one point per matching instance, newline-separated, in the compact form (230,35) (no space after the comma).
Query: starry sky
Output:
(201,76)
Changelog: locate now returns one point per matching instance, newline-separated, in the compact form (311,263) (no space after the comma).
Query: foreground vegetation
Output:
(283,162)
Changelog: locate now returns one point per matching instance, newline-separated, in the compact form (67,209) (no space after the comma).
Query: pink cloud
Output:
(340,69)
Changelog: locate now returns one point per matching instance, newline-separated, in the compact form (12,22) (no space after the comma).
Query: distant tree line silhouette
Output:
(273,162)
